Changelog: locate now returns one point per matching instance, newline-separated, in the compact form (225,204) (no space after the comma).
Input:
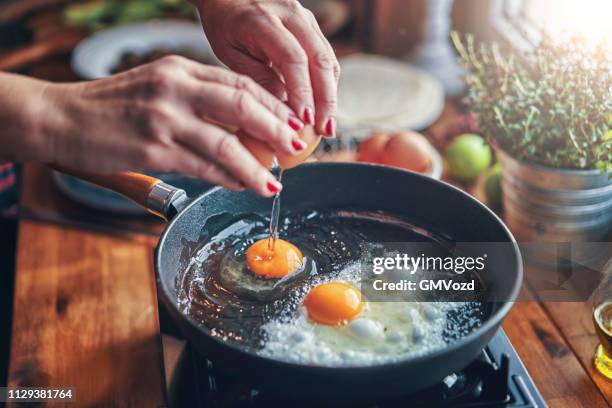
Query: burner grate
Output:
(497,378)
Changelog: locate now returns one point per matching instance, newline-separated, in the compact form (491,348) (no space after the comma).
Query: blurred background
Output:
(389,27)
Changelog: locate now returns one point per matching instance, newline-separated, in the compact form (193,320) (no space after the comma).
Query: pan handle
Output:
(154,195)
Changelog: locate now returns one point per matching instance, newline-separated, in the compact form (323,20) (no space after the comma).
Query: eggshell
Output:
(308,135)
(407,150)
(261,151)
(265,155)
(371,149)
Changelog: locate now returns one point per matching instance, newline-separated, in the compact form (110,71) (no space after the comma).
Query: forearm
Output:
(22,106)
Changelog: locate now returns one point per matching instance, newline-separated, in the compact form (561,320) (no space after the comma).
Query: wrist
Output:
(49,124)
(23,106)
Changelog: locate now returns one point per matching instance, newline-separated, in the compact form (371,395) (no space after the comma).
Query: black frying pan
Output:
(438,207)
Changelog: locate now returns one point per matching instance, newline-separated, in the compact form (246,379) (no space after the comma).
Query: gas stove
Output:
(497,378)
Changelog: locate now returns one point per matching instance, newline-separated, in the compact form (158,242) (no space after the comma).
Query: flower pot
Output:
(555,205)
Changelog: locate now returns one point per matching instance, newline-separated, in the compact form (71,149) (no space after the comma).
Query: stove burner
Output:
(497,378)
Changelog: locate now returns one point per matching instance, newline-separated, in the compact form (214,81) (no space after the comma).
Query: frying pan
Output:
(437,206)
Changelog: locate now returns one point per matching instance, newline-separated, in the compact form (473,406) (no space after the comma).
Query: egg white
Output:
(382,332)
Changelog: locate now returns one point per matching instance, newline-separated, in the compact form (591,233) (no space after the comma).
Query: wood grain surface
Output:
(549,358)
(574,322)
(85,316)
(61,43)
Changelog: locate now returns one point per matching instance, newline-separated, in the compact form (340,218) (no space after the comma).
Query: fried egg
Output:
(333,303)
(263,273)
(273,261)
(335,325)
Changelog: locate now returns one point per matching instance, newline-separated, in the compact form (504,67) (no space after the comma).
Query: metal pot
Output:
(557,205)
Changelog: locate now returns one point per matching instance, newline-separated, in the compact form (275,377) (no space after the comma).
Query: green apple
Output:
(492,185)
(468,156)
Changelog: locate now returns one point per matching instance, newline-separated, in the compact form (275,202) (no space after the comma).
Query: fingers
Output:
(229,78)
(260,71)
(225,150)
(286,54)
(194,165)
(324,70)
(177,157)
(245,112)
(237,106)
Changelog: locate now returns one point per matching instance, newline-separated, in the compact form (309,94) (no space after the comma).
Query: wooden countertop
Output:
(85,316)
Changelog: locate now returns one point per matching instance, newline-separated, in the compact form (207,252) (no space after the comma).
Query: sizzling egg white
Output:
(341,335)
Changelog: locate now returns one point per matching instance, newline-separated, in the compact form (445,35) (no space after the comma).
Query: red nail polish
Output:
(298,144)
(330,127)
(308,116)
(274,187)
(295,123)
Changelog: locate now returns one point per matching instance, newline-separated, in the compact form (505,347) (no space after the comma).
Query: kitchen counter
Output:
(85,316)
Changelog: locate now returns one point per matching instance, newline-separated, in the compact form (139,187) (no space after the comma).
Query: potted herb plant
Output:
(548,113)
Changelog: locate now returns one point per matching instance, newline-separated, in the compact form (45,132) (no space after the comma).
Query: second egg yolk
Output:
(333,303)
(273,263)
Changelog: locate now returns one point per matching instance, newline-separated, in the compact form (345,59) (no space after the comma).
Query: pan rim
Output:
(495,319)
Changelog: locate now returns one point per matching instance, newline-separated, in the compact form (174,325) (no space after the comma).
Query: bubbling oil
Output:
(219,292)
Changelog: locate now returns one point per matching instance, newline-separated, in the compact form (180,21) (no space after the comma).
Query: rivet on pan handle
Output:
(157,197)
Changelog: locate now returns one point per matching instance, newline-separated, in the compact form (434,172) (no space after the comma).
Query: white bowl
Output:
(97,55)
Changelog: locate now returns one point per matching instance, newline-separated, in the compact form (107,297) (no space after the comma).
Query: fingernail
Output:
(308,116)
(274,186)
(298,144)
(330,127)
(295,123)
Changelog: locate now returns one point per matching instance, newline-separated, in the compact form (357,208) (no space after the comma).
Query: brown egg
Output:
(308,135)
(371,149)
(258,149)
(408,150)
(264,154)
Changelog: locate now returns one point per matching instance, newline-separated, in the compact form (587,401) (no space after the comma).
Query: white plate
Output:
(96,56)
(379,93)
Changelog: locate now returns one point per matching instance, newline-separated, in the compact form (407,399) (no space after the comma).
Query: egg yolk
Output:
(273,263)
(333,303)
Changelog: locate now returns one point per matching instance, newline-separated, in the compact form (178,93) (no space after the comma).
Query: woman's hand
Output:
(164,116)
(263,39)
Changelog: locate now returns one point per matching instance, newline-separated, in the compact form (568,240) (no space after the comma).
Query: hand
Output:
(165,116)
(263,39)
